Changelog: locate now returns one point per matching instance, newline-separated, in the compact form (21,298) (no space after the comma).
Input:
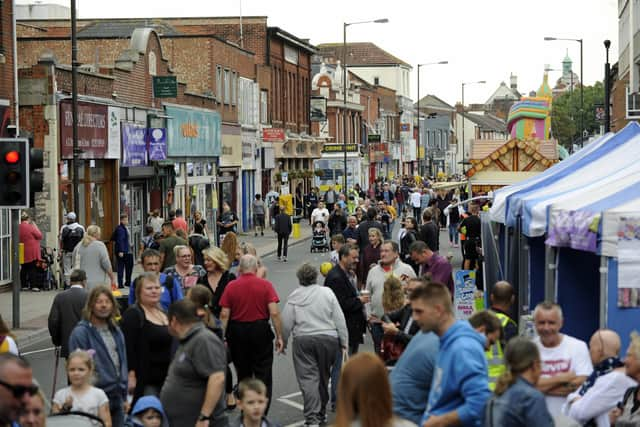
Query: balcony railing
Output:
(633,104)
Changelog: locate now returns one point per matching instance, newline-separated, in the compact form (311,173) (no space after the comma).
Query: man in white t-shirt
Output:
(320,214)
(565,360)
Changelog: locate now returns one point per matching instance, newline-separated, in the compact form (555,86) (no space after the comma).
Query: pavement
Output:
(34,306)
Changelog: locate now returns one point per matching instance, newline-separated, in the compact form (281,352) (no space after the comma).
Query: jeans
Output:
(283,244)
(116,407)
(453,233)
(125,268)
(377,333)
(416,214)
(400,209)
(336,369)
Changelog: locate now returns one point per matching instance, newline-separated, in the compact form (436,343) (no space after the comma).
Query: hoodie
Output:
(460,381)
(144,403)
(313,310)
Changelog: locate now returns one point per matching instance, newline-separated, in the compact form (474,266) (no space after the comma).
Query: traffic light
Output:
(14,167)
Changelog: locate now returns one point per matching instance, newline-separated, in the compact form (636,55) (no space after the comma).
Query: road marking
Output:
(29,353)
(298,424)
(289,396)
(291,403)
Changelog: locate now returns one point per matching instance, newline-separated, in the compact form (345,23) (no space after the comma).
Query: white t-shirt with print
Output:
(570,355)
(88,402)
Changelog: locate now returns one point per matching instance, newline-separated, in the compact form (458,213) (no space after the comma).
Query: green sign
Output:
(373,138)
(339,148)
(165,87)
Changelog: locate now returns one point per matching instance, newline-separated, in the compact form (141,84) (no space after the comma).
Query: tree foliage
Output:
(565,114)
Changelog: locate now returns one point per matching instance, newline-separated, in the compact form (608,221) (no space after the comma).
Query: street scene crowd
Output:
(196,335)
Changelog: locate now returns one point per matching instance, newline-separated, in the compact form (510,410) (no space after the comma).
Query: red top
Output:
(248,298)
(179,222)
(30,236)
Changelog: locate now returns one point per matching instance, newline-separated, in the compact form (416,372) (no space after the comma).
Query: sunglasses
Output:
(20,390)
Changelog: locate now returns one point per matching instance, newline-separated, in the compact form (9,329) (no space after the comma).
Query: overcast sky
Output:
(481,39)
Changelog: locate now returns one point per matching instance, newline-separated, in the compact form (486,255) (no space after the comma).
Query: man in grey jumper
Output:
(389,265)
(313,316)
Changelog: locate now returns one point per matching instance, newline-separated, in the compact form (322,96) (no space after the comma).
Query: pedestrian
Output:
(320,214)
(34,414)
(231,247)
(199,220)
(66,311)
(148,241)
(471,228)
(148,412)
(228,221)
(193,392)
(351,232)
(198,242)
(517,402)
(397,324)
(299,200)
(363,228)
(185,273)
(147,339)
(258,215)
(247,248)
(431,263)
(337,221)
(155,221)
(452,213)
(310,203)
(565,360)
(337,241)
(17,388)
(459,390)
(283,228)
(605,387)
(124,251)
(627,414)
(413,372)
(389,265)
(168,242)
(408,237)
(414,200)
(429,231)
(98,330)
(30,237)
(312,315)
(365,395)
(80,395)
(91,256)
(70,235)
(179,222)
(218,276)
(171,291)
(330,198)
(369,256)
(253,402)
(502,297)
(7,339)
(247,304)
(443,199)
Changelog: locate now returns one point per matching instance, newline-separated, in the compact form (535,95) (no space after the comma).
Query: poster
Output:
(464,293)
(157,144)
(134,146)
(629,262)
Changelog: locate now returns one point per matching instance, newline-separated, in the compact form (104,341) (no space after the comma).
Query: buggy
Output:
(319,241)
(45,277)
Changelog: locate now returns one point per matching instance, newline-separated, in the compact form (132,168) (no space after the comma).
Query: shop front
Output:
(230,163)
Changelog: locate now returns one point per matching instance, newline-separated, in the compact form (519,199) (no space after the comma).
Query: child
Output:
(337,241)
(252,401)
(147,412)
(81,395)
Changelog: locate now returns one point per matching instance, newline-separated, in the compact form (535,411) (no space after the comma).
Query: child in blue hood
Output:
(147,412)
(460,386)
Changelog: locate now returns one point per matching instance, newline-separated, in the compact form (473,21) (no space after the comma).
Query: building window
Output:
(227,84)
(153,64)
(376,81)
(234,85)
(219,83)
(264,106)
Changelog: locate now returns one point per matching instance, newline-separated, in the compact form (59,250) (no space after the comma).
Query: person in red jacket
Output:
(30,237)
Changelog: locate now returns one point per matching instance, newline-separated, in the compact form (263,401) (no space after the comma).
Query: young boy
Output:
(337,241)
(252,401)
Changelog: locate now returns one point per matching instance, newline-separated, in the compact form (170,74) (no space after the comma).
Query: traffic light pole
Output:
(15,267)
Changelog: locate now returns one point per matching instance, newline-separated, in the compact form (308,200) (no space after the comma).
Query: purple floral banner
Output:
(574,229)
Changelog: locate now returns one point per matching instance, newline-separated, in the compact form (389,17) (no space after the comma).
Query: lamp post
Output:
(344,89)
(463,141)
(607,89)
(582,129)
(418,114)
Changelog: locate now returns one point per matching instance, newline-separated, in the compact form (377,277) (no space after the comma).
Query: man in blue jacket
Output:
(123,247)
(459,389)
(98,332)
(171,289)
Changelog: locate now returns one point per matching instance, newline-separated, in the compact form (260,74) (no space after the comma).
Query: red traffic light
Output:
(12,157)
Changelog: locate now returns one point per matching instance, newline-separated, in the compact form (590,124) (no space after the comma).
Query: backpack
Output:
(71,237)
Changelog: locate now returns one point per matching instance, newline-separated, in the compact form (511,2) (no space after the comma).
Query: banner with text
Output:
(134,146)
(193,133)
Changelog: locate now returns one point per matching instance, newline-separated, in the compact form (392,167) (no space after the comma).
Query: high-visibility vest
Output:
(495,355)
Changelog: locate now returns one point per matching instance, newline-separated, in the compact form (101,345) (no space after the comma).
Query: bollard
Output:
(296,227)
(21,253)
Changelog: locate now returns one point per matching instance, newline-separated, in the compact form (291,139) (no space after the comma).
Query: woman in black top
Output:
(146,333)
(216,263)
(409,236)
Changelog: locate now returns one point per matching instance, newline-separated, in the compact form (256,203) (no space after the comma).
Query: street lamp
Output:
(418,137)
(463,141)
(582,129)
(344,89)
(607,89)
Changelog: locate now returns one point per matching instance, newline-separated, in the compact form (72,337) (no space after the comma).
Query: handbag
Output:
(391,349)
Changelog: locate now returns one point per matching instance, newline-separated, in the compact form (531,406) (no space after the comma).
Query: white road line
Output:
(289,396)
(298,424)
(29,353)
(291,403)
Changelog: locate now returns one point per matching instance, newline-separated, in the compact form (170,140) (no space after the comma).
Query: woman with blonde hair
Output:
(364,395)
(517,402)
(231,247)
(184,272)
(91,255)
(393,295)
(216,265)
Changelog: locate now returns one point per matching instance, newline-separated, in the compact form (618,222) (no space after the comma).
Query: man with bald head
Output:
(502,297)
(16,388)
(605,387)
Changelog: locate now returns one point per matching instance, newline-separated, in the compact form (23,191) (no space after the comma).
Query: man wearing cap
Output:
(70,235)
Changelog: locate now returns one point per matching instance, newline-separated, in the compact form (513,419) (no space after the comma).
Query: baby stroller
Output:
(319,240)
(44,276)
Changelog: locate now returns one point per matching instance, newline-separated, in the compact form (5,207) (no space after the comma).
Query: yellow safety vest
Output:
(495,356)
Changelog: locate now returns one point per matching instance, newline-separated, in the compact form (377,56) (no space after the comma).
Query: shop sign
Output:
(157,138)
(373,138)
(134,146)
(165,87)
(193,133)
(93,135)
(318,109)
(339,148)
(405,127)
(273,135)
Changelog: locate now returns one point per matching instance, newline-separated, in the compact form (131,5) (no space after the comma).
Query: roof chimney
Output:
(514,81)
